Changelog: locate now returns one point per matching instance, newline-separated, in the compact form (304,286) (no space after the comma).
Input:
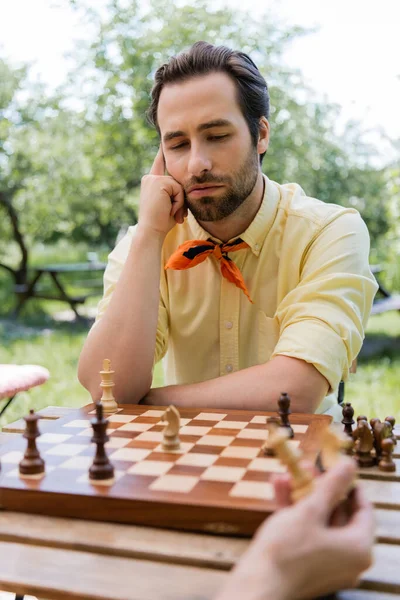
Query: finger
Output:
(158,167)
(181,214)
(178,200)
(282,489)
(309,466)
(332,487)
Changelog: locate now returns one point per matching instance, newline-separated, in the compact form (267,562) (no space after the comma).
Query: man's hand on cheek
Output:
(161,199)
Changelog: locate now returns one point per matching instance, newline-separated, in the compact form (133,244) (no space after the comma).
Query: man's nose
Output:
(199,162)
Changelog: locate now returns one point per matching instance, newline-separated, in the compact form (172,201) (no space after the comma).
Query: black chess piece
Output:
(32,463)
(284,412)
(392,422)
(365,443)
(348,421)
(386,462)
(101,468)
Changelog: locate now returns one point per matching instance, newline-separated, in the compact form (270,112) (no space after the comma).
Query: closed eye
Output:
(178,146)
(217,137)
(211,138)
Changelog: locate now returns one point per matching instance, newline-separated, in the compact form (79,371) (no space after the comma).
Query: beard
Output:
(238,188)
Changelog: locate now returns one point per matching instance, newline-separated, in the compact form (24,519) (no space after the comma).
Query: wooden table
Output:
(32,289)
(61,559)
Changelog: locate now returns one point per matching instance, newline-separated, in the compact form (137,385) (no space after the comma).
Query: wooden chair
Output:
(19,378)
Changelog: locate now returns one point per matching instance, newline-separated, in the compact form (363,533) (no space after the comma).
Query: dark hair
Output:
(203,58)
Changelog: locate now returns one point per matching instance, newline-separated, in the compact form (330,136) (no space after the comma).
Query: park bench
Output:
(387,301)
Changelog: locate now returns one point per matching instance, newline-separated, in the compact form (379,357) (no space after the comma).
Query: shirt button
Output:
(229,368)
(228,324)
(256,247)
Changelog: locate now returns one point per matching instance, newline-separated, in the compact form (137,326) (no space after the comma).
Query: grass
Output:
(40,339)
(374,390)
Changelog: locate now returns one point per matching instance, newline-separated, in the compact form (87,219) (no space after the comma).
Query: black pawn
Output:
(348,421)
(284,412)
(101,468)
(32,463)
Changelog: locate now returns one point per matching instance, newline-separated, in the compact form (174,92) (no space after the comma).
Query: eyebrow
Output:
(170,135)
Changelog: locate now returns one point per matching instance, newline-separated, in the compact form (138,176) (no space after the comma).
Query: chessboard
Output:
(219,480)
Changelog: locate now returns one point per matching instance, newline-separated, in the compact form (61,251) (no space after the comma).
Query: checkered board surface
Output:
(218,481)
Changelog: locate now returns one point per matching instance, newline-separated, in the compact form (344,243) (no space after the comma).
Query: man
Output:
(245,287)
(301,551)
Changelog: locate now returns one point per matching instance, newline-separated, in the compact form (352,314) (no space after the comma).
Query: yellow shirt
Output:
(307,272)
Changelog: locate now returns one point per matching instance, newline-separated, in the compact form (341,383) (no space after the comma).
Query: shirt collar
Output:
(257,231)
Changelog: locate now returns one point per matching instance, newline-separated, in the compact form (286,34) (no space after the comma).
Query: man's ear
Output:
(263,136)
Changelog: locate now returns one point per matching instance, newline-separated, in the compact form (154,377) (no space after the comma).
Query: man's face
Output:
(206,142)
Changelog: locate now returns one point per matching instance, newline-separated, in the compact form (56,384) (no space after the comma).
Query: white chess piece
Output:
(171,430)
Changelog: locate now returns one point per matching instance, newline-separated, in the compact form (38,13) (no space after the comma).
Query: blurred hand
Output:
(298,553)
(161,199)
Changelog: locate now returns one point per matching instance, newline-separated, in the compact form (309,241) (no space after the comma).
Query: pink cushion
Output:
(18,378)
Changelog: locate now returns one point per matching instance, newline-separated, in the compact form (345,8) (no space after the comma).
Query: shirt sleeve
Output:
(322,320)
(112,273)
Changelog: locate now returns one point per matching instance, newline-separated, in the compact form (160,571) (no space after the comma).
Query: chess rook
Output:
(284,412)
(107,384)
(32,463)
(101,468)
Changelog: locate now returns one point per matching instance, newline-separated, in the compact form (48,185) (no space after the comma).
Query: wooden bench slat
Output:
(123,540)
(384,575)
(150,543)
(383,494)
(387,526)
(66,575)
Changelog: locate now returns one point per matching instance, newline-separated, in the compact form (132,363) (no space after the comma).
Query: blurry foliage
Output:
(71,164)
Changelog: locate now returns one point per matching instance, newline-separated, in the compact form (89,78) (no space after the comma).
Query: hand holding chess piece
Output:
(107,383)
(171,440)
(32,464)
(299,552)
(302,480)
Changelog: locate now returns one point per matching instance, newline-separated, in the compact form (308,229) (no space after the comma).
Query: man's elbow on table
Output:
(298,378)
(129,386)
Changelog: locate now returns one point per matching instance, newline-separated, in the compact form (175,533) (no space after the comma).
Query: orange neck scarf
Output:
(194,252)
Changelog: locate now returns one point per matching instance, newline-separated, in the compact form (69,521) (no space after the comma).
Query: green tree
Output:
(73,170)
(117,74)
(50,186)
